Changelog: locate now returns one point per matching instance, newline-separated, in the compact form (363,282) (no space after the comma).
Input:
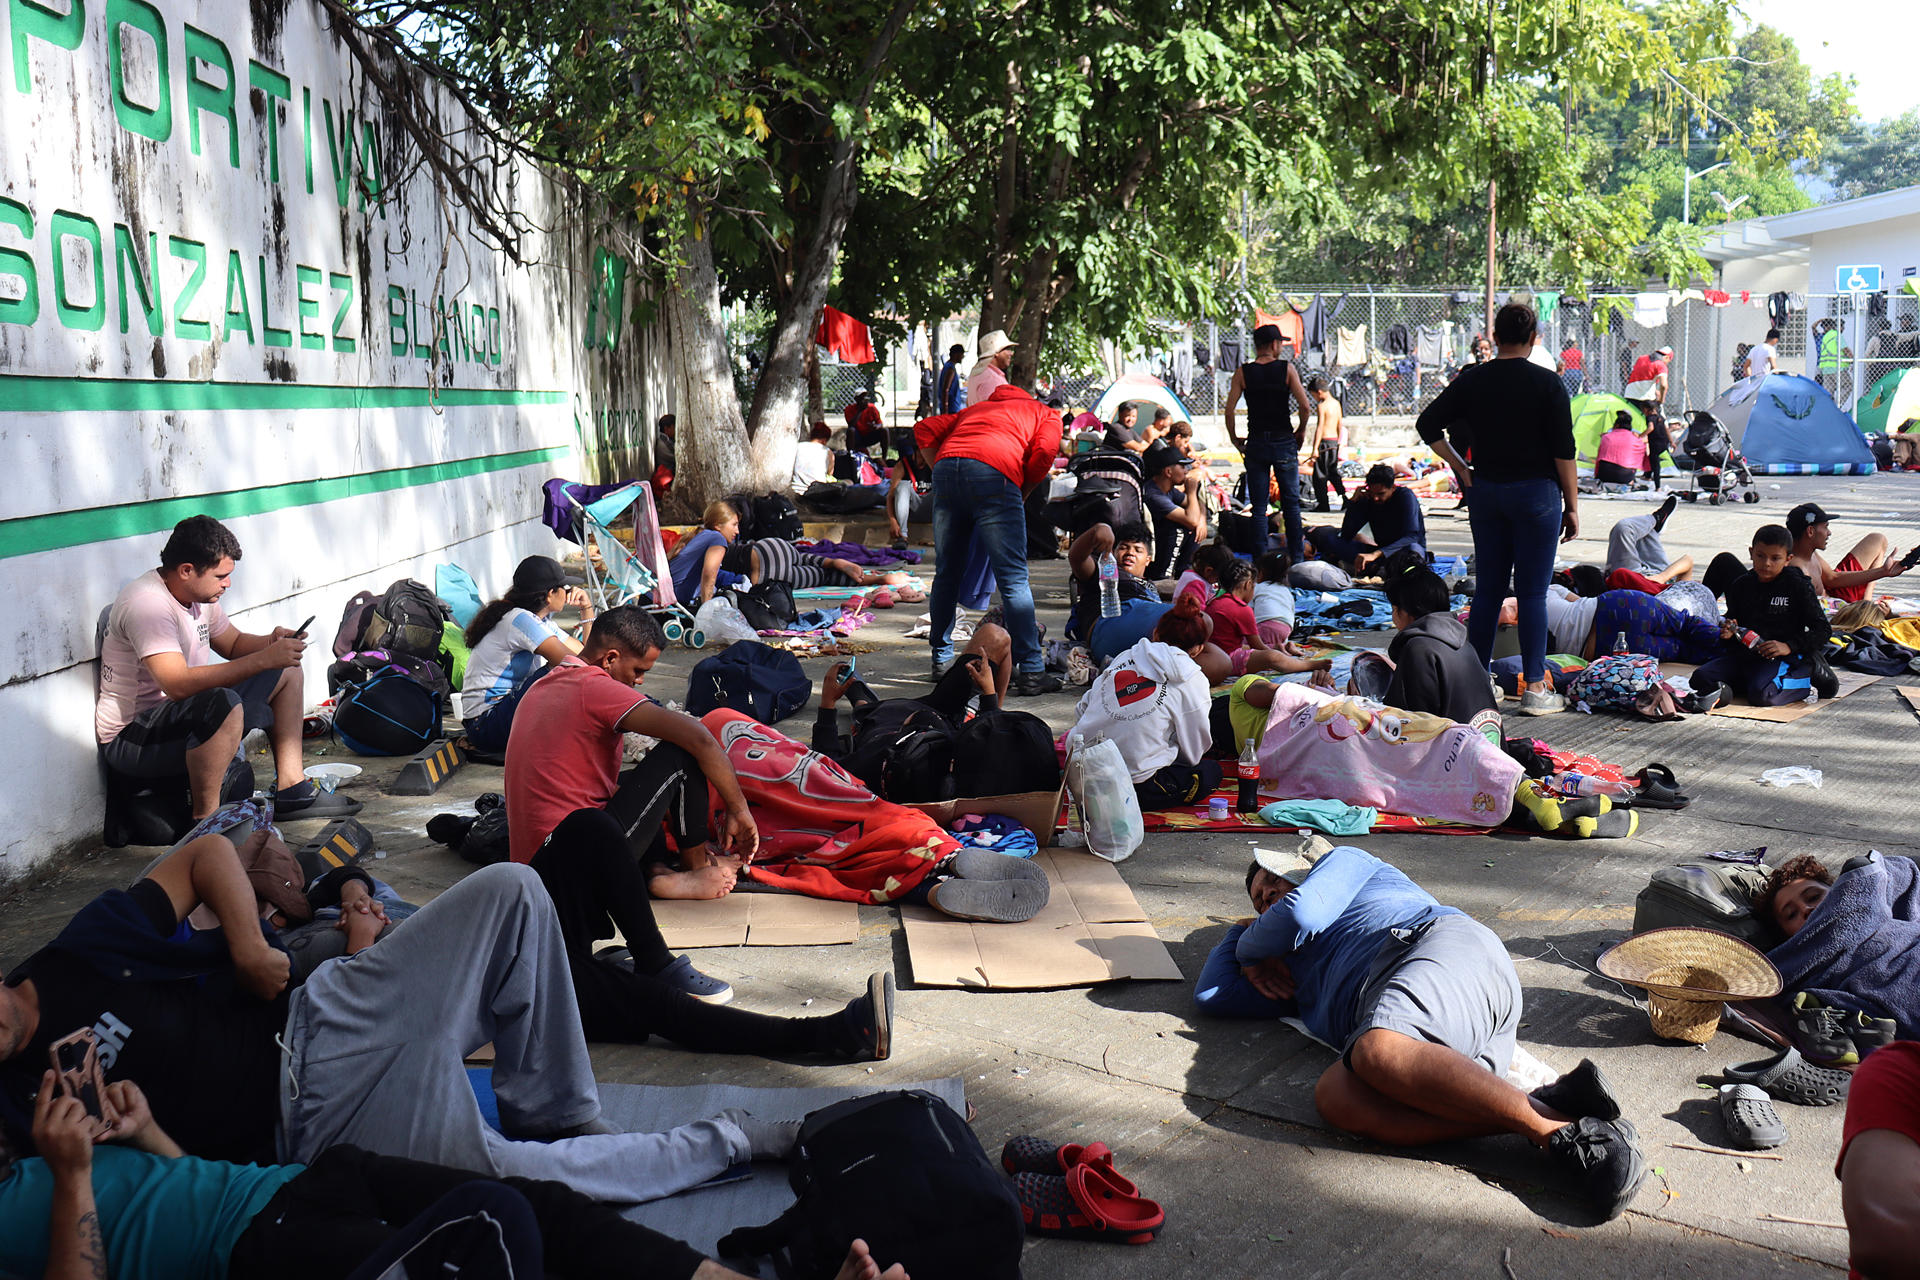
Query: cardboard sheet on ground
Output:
(1912,696)
(758,920)
(1850,682)
(1091,931)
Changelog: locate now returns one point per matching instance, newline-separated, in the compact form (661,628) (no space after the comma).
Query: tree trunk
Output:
(816,397)
(711,459)
(778,401)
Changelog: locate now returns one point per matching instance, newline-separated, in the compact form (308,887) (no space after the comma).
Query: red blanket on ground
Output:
(822,833)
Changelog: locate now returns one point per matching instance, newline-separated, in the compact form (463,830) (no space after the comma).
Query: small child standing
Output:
(1775,633)
(1272,599)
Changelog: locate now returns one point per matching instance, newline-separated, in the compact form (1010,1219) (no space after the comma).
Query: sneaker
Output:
(1583,1091)
(1542,702)
(991,887)
(682,976)
(935,671)
(1603,1157)
(1870,1033)
(868,1022)
(1820,1032)
(1825,683)
(1031,684)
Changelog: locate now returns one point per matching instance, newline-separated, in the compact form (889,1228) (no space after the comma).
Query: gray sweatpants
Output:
(1635,544)
(376,1042)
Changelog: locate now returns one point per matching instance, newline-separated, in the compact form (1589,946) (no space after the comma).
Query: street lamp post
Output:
(1686,188)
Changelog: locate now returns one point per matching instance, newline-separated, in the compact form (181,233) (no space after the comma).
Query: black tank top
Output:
(1268,400)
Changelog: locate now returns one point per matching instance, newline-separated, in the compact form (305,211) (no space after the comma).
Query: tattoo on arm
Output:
(93,1249)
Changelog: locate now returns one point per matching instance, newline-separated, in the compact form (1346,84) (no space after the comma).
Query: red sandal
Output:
(1091,1202)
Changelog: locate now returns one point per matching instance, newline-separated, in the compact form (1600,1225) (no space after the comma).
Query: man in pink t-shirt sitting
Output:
(592,833)
(180,685)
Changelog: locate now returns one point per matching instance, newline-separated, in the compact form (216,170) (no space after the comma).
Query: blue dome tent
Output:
(1788,425)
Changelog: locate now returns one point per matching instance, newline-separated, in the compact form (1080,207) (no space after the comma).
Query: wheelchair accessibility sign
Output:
(1856,279)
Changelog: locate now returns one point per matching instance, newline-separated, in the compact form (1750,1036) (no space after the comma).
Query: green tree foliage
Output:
(1878,157)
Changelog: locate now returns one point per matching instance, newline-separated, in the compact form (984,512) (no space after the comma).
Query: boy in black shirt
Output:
(1775,632)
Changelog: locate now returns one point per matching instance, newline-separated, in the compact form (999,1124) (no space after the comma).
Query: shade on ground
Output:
(1891,403)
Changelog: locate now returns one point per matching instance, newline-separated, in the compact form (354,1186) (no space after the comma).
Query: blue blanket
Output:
(1860,948)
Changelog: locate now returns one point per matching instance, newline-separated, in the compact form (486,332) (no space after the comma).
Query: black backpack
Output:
(389,713)
(903,751)
(409,618)
(765,683)
(775,516)
(1000,753)
(902,1171)
(768,606)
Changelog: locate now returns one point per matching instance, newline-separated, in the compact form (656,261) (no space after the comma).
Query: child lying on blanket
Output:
(1236,633)
(1315,744)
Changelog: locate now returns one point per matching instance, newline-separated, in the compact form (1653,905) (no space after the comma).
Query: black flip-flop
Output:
(1791,1078)
(1659,789)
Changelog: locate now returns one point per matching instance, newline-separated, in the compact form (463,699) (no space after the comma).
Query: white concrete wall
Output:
(287,392)
(1738,322)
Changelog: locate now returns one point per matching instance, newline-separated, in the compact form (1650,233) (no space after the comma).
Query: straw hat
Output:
(1688,974)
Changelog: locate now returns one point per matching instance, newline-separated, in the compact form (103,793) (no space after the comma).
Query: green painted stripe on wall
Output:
(61,529)
(20,393)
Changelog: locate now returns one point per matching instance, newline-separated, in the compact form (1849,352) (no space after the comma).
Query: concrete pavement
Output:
(1216,1119)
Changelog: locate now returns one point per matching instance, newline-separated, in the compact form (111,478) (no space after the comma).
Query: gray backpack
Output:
(1705,893)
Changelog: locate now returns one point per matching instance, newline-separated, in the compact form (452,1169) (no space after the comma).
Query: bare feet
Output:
(861,1266)
(701,885)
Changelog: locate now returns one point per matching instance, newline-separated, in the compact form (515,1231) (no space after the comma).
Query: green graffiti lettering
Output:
(196,253)
(155,122)
(477,333)
(306,128)
(76,226)
(205,97)
(339,149)
(240,313)
(396,320)
(146,280)
(18,263)
(310,339)
(277,89)
(30,19)
(343,283)
(273,337)
(493,335)
(604,312)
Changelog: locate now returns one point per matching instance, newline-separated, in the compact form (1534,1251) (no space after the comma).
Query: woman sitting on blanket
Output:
(1151,702)
(1318,745)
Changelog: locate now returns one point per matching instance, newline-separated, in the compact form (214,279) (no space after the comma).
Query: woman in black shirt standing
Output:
(1520,491)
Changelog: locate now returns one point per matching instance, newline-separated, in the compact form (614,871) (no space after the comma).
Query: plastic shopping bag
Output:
(1103,792)
(723,623)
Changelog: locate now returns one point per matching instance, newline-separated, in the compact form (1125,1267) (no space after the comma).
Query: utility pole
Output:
(1492,241)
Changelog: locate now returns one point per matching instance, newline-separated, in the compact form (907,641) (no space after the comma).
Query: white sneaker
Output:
(1541,702)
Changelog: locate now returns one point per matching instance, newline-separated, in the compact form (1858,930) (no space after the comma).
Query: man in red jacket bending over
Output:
(988,456)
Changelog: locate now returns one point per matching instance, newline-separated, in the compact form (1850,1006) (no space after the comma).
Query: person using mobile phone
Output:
(1871,559)
(181,685)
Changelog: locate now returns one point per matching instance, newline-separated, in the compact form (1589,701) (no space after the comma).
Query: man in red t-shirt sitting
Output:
(578,820)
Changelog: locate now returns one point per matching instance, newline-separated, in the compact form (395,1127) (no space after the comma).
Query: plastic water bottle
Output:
(1109,585)
(1619,642)
(1248,769)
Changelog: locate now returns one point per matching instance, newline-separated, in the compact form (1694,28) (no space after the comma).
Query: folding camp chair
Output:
(628,577)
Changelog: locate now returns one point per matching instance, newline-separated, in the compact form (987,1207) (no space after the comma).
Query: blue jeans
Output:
(1328,541)
(487,732)
(1516,528)
(972,499)
(1276,456)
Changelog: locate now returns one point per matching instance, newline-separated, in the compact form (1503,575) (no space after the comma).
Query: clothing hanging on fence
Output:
(846,337)
(1313,320)
(1399,340)
(1777,309)
(1229,355)
(1351,347)
(1430,345)
(1650,309)
(1546,304)
(1717,298)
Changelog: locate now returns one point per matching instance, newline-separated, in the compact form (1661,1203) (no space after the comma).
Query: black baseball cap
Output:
(1161,455)
(543,573)
(1804,517)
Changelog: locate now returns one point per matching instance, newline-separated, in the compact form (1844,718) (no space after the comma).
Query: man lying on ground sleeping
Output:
(1423,1005)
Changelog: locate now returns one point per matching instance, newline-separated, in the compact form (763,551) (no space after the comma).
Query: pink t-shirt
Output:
(1622,448)
(564,751)
(145,620)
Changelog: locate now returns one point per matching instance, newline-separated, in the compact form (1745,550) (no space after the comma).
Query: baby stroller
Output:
(1720,469)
